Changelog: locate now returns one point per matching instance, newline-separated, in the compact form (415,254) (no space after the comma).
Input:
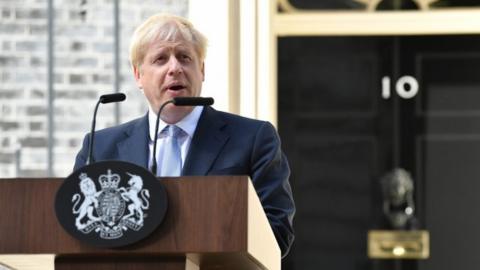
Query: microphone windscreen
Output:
(112,98)
(193,101)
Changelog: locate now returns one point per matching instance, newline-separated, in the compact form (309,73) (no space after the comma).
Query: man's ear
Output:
(137,73)
(203,71)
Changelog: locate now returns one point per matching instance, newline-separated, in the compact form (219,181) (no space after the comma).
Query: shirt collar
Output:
(187,124)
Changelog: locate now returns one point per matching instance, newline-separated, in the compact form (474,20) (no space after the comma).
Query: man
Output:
(167,55)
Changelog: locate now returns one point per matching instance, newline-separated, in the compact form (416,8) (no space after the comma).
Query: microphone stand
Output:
(154,154)
(103,99)
(178,101)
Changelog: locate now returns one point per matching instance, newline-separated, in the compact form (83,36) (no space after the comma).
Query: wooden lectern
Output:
(212,222)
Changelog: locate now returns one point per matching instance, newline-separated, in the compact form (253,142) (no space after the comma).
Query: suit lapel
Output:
(134,148)
(207,142)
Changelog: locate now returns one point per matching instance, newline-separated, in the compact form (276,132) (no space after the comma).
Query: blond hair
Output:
(164,27)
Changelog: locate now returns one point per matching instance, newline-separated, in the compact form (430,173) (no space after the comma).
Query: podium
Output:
(212,222)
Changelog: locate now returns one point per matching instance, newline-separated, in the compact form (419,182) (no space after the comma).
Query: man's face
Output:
(170,69)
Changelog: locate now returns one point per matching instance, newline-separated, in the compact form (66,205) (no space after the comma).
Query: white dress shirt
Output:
(188,124)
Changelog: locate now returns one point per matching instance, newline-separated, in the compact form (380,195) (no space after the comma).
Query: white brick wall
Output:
(83,71)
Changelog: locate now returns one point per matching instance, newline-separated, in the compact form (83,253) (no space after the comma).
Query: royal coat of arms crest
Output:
(104,211)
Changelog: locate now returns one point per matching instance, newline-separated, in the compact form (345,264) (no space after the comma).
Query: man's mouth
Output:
(176,87)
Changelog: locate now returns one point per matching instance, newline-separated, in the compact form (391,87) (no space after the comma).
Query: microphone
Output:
(112,98)
(193,101)
(117,97)
(177,101)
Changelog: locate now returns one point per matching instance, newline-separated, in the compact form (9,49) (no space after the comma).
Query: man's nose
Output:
(174,66)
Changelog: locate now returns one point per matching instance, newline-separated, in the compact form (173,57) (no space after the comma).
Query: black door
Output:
(442,132)
(342,133)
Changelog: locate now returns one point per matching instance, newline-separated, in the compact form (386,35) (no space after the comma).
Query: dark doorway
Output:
(342,134)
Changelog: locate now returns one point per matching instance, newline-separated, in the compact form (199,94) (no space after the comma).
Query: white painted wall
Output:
(211,18)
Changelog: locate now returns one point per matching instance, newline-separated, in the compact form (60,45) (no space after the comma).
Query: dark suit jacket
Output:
(223,144)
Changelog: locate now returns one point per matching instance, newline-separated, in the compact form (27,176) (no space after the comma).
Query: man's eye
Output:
(185,57)
(159,59)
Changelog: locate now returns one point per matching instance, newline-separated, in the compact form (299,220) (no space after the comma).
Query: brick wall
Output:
(83,70)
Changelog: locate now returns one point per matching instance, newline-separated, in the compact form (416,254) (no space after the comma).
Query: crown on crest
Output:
(83,176)
(109,180)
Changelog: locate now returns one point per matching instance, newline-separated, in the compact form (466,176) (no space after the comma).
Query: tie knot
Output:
(173,131)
